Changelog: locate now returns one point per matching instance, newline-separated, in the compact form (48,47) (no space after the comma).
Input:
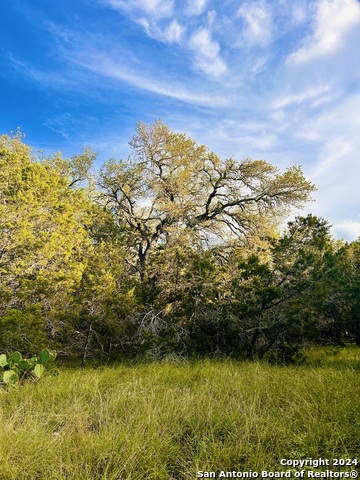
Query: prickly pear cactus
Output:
(15,357)
(10,376)
(14,369)
(3,360)
(39,370)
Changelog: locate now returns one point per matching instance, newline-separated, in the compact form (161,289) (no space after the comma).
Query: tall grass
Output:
(168,421)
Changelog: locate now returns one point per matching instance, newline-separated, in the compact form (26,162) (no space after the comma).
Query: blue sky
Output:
(277,80)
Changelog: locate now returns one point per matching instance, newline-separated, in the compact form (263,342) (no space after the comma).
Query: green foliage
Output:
(174,251)
(15,358)
(75,169)
(336,298)
(23,330)
(173,184)
(43,240)
(14,369)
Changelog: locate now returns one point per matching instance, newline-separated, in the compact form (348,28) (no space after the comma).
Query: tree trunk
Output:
(87,343)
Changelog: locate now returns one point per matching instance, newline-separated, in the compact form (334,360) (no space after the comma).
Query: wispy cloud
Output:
(207,53)
(155,8)
(170,32)
(108,66)
(328,147)
(298,14)
(155,16)
(333,20)
(315,92)
(174,32)
(60,124)
(161,21)
(196,7)
(258,23)
(47,79)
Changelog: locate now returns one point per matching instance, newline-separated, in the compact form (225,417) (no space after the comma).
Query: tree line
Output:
(173,251)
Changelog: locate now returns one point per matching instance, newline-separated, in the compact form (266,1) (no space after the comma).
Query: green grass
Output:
(168,421)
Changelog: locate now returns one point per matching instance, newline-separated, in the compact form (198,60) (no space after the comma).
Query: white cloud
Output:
(155,8)
(258,23)
(207,53)
(160,22)
(316,93)
(204,46)
(155,16)
(211,17)
(196,7)
(215,68)
(170,33)
(61,124)
(328,148)
(333,155)
(113,68)
(333,21)
(174,32)
(348,230)
(298,14)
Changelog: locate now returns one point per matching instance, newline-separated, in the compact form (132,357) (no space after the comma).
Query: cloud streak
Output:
(315,92)
(258,23)
(156,8)
(108,67)
(333,21)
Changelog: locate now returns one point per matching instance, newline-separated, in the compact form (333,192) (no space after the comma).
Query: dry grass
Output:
(167,421)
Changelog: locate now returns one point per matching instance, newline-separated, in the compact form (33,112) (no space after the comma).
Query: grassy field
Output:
(170,420)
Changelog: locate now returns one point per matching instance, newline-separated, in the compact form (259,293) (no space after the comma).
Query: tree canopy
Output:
(172,183)
(172,251)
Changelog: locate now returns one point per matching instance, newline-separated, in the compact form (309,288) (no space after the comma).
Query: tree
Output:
(170,182)
(105,295)
(177,251)
(180,209)
(268,301)
(337,297)
(76,169)
(43,239)
(353,323)
(299,263)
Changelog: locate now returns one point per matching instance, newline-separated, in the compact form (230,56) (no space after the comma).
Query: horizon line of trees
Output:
(173,251)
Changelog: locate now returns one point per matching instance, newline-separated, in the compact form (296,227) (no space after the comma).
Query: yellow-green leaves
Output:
(172,184)
(43,238)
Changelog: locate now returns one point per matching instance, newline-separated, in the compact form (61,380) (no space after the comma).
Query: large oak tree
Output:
(170,183)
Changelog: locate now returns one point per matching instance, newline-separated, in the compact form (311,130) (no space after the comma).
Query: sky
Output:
(277,80)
